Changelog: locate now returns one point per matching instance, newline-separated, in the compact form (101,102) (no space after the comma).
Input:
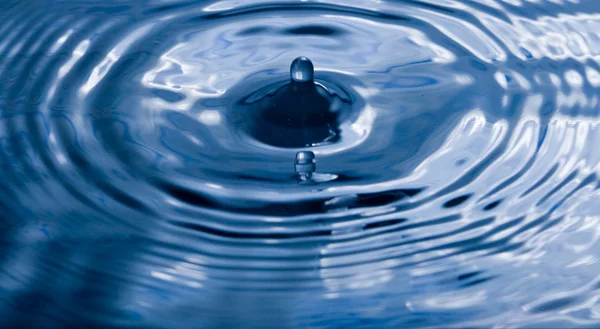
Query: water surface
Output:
(142,187)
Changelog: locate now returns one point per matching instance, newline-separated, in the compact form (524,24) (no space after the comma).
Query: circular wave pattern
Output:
(461,189)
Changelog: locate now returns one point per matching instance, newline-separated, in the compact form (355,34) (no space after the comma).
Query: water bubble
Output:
(302,70)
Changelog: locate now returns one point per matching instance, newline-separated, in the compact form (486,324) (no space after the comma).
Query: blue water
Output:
(148,175)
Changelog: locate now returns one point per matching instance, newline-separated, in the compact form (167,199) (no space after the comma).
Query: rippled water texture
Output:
(144,184)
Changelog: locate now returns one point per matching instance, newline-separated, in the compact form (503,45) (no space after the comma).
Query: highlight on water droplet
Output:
(302,70)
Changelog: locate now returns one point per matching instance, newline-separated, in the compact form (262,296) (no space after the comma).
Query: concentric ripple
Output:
(460,190)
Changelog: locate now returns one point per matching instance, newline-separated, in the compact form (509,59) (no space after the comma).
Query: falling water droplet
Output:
(305,164)
(302,70)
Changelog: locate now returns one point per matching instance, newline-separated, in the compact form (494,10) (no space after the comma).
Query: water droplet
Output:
(305,164)
(302,70)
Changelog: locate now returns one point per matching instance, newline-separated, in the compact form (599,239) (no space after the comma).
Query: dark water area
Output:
(150,177)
